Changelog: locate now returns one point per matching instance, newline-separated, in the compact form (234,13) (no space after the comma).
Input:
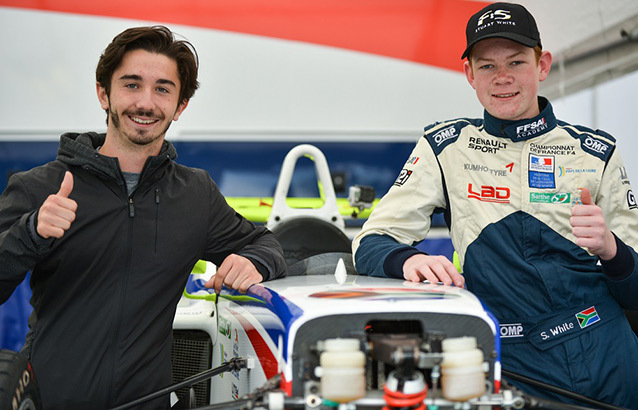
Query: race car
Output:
(327,336)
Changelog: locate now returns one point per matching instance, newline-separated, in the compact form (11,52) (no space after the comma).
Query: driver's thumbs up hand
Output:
(58,211)
(590,228)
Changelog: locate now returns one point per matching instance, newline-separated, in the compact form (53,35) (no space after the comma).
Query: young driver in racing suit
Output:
(540,212)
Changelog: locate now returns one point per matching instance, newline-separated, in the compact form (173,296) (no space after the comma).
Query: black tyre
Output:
(18,387)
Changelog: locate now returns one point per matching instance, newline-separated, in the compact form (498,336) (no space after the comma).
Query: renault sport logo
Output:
(494,15)
(587,317)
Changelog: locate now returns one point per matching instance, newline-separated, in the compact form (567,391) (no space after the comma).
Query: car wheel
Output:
(18,387)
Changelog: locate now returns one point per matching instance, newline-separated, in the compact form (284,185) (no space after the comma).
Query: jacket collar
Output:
(523,129)
(81,150)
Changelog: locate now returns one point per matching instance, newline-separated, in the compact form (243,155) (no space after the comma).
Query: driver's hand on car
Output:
(236,272)
(434,268)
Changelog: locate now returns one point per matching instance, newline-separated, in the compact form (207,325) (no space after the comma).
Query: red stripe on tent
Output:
(430,32)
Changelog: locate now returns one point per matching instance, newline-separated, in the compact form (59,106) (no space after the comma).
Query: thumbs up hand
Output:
(58,211)
(590,228)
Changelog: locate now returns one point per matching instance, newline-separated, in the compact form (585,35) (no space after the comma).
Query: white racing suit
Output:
(506,189)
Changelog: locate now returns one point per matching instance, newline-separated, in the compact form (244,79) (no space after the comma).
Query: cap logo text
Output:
(494,15)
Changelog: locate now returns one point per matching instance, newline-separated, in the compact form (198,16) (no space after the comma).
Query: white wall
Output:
(612,108)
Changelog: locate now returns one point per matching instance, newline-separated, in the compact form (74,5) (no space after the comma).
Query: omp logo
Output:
(488,193)
(494,15)
(511,330)
(444,135)
(595,145)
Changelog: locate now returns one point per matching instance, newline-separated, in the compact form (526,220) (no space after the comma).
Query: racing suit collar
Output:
(523,129)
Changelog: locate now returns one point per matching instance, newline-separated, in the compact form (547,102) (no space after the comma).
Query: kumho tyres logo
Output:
(546,198)
(587,317)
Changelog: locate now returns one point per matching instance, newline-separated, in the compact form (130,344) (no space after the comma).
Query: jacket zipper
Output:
(157,202)
(120,303)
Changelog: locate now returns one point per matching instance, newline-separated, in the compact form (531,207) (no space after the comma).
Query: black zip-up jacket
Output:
(105,294)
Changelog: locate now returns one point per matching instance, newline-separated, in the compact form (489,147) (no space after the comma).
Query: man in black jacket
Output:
(111,230)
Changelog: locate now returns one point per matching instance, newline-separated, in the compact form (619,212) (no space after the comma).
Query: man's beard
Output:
(137,137)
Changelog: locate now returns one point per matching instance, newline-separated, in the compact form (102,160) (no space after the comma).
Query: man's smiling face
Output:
(144,98)
(505,75)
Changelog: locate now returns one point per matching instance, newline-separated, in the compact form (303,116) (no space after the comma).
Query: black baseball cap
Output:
(506,20)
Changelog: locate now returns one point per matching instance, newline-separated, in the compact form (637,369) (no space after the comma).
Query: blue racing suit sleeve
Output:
(382,256)
(622,275)
(620,266)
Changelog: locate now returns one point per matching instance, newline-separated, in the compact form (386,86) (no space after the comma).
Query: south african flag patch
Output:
(587,317)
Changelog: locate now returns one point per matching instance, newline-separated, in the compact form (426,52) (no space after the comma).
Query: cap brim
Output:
(526,41)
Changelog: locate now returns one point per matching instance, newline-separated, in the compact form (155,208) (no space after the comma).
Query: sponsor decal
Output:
(511,330)
(488,193)
(597,146)
(562,171)
(235,372)
(224,326)
(552,149)
(531,128)
(394,294)
(623,176)
(631,200)
(541,164)
(413,160)
(487,145)
(510,166)
(587,317)
(444,135)
(494,17)
(403,177)
(224,357)
(484,168)
(541,171)
(549,198)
